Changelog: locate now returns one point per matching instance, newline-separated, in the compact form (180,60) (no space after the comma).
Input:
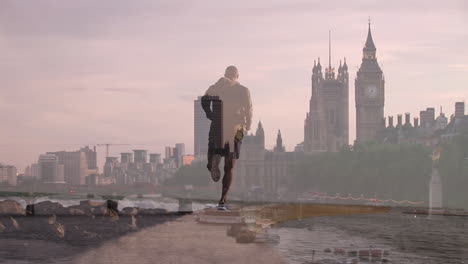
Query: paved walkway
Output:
(180,241)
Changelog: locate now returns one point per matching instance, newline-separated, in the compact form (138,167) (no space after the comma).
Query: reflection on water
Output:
(408,238)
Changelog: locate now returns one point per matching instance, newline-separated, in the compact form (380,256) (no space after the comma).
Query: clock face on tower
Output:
(371,91)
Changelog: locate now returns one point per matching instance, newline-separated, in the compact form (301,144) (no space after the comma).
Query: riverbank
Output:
(408,239)
(50,232)
(180,241)
(168,238)
(25,237)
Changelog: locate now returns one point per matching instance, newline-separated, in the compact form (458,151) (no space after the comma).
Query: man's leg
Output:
(214,167)
(209,157)
(213,159)
(229,163)
(211,147)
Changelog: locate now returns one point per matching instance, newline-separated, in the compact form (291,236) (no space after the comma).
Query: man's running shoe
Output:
(222,207)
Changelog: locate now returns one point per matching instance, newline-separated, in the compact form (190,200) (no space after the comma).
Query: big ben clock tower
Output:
(369,94)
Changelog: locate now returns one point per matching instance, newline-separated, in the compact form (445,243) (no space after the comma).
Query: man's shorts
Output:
(226,151)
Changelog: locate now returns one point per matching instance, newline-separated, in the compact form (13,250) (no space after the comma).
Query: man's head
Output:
(231,73)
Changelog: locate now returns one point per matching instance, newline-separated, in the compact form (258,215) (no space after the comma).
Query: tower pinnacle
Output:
(329,71)
(369,41)
(279,143)
(329,49)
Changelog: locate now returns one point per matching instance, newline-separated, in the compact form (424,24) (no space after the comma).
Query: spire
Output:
(260,130)
(329,71)
(260,135)
(329,49)
(369,42)
(279,143)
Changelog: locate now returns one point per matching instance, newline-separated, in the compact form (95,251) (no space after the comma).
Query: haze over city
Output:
(261,131)
(84,72)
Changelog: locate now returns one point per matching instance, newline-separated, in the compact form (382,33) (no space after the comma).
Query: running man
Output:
(229,107)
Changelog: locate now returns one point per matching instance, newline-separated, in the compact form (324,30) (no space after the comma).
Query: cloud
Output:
(125,91)
(76,19)
(92,71)
(459,67)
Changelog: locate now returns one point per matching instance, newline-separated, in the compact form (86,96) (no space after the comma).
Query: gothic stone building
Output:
(426,130)
(260,169)
(369,94)
(326,125)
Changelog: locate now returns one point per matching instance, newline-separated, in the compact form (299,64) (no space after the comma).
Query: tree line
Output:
(385,171)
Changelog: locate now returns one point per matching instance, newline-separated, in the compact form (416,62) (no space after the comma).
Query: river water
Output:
(415,239)
(407,238)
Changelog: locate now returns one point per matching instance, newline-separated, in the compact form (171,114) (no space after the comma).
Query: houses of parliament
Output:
(326,125)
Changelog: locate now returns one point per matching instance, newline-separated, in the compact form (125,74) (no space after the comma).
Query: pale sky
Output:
(76,73)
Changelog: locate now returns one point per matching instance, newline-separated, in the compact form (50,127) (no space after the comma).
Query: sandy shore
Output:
(179,241)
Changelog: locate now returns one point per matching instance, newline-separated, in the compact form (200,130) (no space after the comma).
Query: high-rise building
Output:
(201,129)
(8,174)
(35,172)
(91,157)
(179,152)
(27,171)
(427,117)
(109,166)
(369,94)
(75,166)
(140,155)
(50,170)
(155,158)
(180,148)
(459,109)
(176,157)
(326,126)
(126,157)
(169,153)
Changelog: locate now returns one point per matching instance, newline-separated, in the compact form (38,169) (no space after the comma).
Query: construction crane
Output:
(107,147)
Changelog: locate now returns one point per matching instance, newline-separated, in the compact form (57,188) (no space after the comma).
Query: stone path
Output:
(180,241)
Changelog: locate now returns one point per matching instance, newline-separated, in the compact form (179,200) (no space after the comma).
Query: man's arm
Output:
(206,101)
(206,105)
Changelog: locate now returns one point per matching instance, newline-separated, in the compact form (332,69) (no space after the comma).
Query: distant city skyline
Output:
(86,73)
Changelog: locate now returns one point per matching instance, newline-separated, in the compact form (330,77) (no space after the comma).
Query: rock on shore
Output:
(76,230)
(10,207)
(88,223)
